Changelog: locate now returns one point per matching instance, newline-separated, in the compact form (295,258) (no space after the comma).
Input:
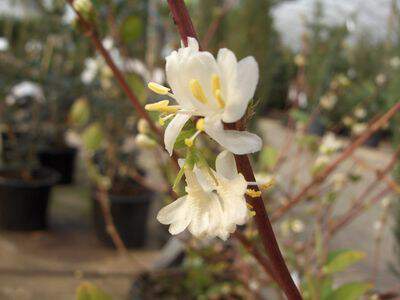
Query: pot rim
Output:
(52,177)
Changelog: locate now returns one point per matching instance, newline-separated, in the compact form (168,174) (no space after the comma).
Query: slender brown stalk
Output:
(102,198)
(185,27)
(261,259)
(91,32)
(343,156)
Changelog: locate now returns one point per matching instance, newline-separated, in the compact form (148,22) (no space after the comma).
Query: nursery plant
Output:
(206,106)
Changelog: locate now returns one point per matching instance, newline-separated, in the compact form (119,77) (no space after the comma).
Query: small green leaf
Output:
(350,291)
(299,116)
(88,291)
(80,112)
(131,29)
(341,260)
(93,137)
(269,157)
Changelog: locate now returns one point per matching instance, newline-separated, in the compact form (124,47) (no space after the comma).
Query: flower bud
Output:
(143,126)
(84,7)
(144,141)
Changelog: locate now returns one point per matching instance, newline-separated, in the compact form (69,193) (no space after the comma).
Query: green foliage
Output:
(131,29)
(269,157)
(80,112)
(349,291)
(93,137)
(88,291)
(341,259)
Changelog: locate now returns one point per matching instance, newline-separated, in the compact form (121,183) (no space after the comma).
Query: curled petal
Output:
(177,214)
(173,129)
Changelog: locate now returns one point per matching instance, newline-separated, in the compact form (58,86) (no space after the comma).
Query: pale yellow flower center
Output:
(198,92)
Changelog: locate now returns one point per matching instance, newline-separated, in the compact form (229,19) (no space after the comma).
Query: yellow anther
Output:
(268,185)
(253,193)
(162,106)
(189,142)
(252,213)
(158,88)
(200,124)
(249,206)
(161,121)
(198,91)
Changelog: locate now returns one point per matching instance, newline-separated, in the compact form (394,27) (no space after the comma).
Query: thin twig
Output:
(372,128)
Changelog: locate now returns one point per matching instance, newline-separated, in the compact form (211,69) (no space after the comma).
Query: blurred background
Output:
(81,176)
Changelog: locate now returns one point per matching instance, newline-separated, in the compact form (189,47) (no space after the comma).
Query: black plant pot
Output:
(60,159)
(129,213)
(23,203)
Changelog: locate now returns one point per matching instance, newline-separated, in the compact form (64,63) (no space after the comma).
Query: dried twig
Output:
(372,128)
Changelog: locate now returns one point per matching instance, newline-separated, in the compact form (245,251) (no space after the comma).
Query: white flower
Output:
(72,139)
(92,66)
(328,101)
(143,126)
(321,162)
(217,89)
(358,128)
(3,44)
(395,62)
(380,79)
(214,204)
(330,144)
(360,113)
(144,141)
(23,90)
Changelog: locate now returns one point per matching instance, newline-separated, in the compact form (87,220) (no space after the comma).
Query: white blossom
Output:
(4,45)
(330,144)
(217,90)
(358,128)
(395,62)
(214,203)
(360,113)
(328,101)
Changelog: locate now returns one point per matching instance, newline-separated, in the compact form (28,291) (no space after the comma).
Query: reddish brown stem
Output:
(91,32)
(185,27)
(343,156)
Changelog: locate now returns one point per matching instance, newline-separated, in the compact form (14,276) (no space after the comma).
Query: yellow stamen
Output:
(216,88)
(158,88)
(200,124)
(189,142)
(162,106)
(267,185)
(252,213)
(198,91)
(253,193)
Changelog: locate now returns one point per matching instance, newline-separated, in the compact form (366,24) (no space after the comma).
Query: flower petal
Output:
(225,165)
(173,129)
(241,91)
(178,214)
(237,142)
